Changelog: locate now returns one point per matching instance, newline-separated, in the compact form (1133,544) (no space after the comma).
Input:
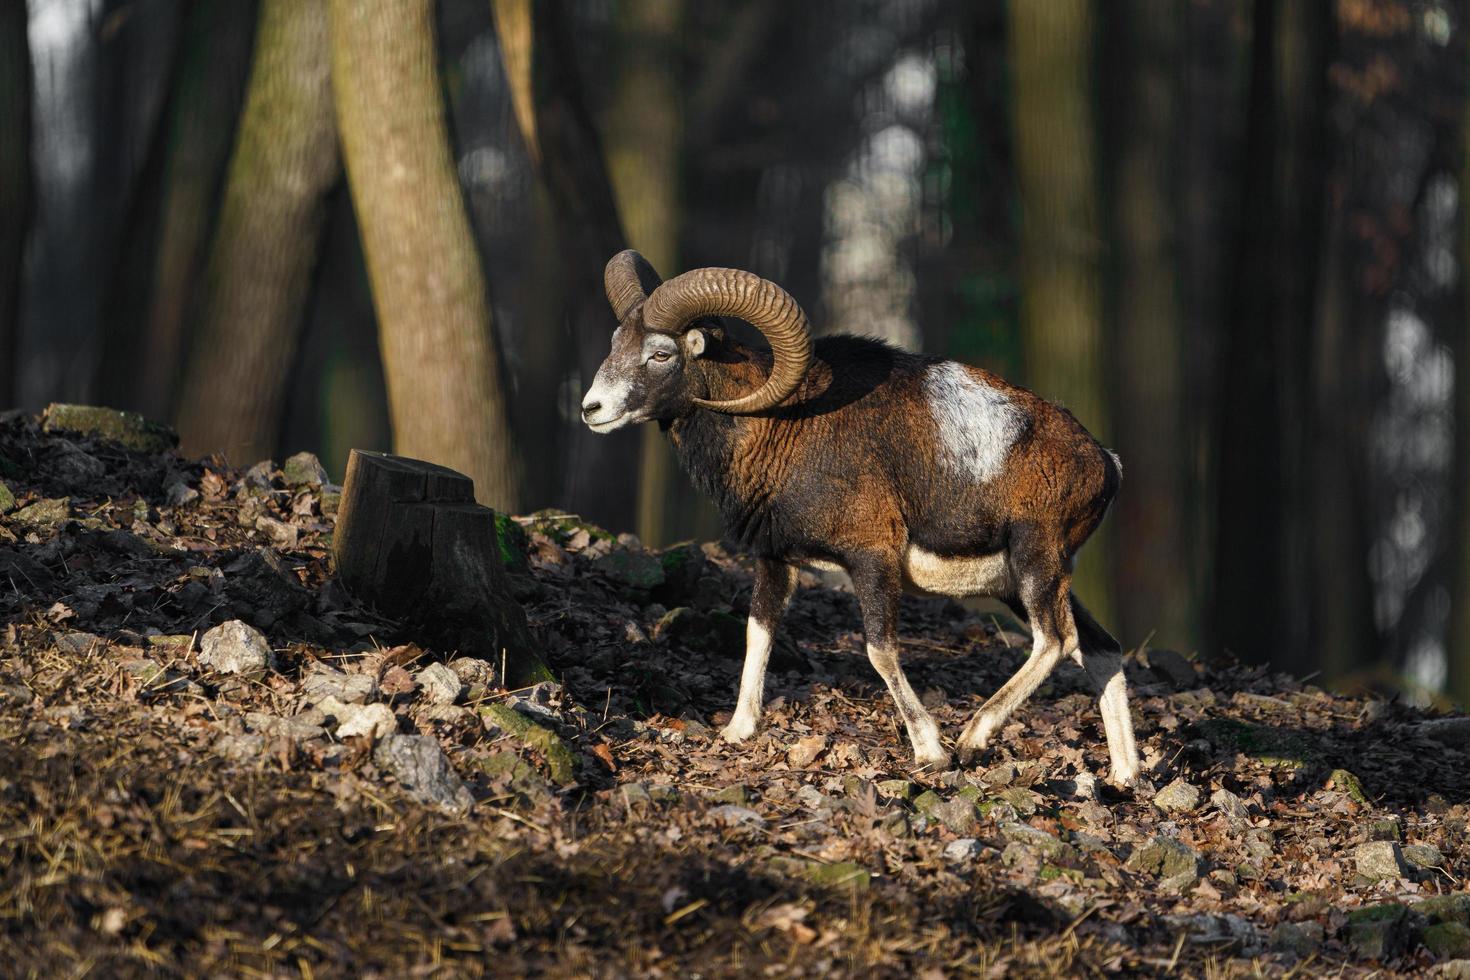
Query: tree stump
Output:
(412,542)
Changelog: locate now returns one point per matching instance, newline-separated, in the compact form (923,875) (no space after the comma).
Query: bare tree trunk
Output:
(601,478)
(644,139)
(163,244)
(15,183)
(445,389)
(1061,242)
(1458,649)
(267,239)
(1154,587)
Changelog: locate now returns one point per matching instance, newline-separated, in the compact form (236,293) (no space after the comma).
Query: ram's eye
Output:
(662,355)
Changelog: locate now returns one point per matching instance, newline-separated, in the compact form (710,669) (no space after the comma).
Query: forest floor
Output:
(343,804)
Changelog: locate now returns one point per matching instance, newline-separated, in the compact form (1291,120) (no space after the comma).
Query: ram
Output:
(903,470)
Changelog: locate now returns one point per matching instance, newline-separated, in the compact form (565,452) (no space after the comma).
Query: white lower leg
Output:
(1106,671)
(752,683)
(923,732)
(994,712)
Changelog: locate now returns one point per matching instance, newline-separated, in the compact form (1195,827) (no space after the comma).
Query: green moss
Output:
(1448,940)
(560,762)
(512,540)
(1349,784)
(1389,912)
(1271,746)
(840,874)
(125,428)
(7,499)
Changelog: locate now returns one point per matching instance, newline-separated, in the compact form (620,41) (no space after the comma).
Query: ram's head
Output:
(664,330)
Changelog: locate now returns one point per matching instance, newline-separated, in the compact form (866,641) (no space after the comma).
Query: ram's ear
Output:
(695,343)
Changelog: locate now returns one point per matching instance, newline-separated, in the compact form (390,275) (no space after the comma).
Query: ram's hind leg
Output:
(1101,656)
(1045,587)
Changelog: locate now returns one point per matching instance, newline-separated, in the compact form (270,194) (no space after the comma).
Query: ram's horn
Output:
(628,280)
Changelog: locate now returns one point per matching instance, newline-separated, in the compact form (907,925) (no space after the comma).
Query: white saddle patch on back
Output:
(971,575)
(977,424)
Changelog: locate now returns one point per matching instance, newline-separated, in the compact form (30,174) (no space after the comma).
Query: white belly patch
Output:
(971,575)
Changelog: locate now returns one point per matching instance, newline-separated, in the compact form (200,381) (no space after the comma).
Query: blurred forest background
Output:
(1230,235)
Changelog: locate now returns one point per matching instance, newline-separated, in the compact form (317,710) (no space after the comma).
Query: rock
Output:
(1425,857)
(560,762)
(240,748)
(1224,933)
(961,851)
(1236,813)
(1454,970)
(958,814)
(235,648)
(421,767)
(805,751)
(1349,784)
(52,510)
(1177,797)
(634,794)
(1378,931)
(304,470)
(898,789)
(1379,859)
(814,799)
(448,714)
(1299,938)
(373,720)
(734,816)
(275,726)
(735,793)
(1173,667)
(1447,939)
(439,684)
(1167,859)
(1389,828)
(838,874)
(635,569)
(76,469)
(1446,908)
(1020,798)
(7,499)
(682,564)
(472,671)
(1038,841)
(283,536)
(126,428)
(178,493)
(346,688)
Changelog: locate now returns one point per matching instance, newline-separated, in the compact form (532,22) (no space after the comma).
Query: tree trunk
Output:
(445,390)
(15,183)
(163,243)
(645,137)
(1263,586)
(1152,570)
(601,478)
(265,245)
(1458,649)
(1061,246)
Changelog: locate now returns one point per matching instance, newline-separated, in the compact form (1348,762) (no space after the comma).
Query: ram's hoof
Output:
(737,731)
(932,763)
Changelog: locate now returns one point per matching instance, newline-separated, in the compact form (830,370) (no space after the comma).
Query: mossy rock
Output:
(1446,908)
(839,874)
(128,429)
(682,566)
(632,568)
(1263,743)
(1447,940)
(513,541)
(1349,784)
(50,511)
(560,527)
(7,499)
(561,763)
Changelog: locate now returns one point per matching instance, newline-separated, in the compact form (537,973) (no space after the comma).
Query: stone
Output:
(1425,857)
(897,789)
(178,493)
(52,510)
(560,762)
(1378,931)
(958,814)
(1301,939)
(7,499)
(126,428)
(735,793)
(634,794)
(1446,908)
(814,799)
(1177,797)
(961,851)
(473,671)
(1165,858)
(734,816)
(1454,970)
(805,751)
(1347,783)
(304,470)
(76,469)
(635,569)
(276,726)
(1389,828)
(346,688)
(838,874)
(240,748)
(1229,933)
(439,684)
(1021,798)
(423,770)
(1232,807)
(1447,939)
(373,720)
(1379,859)
(1038,841)
(235,648)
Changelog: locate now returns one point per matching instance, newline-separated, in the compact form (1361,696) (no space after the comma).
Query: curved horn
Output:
(763,304)
(628,279)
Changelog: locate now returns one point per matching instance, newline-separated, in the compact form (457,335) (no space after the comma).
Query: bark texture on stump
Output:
(412,542)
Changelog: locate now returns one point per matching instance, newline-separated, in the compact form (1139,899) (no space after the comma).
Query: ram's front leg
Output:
(774,583)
